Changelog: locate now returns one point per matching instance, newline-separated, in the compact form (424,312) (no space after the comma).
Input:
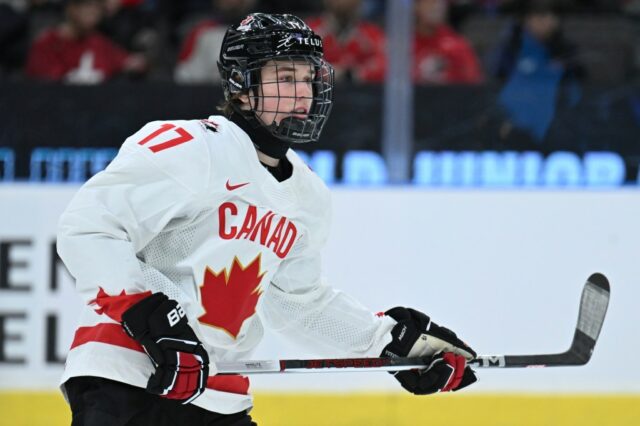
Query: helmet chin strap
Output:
(264,141)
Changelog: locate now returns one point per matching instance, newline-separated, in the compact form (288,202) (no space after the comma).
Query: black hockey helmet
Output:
(260,38)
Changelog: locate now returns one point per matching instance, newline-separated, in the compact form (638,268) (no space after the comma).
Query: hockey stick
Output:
(593,307)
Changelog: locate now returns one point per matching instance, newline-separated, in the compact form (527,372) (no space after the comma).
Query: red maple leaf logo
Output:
(230,297)
(115,306)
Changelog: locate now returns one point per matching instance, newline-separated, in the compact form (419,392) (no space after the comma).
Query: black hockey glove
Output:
(182,364)
(416,335)
(446,372)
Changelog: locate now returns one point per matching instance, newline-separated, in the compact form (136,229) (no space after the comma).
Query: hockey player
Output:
(201,231)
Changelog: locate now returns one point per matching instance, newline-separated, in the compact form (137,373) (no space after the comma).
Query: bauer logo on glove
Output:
(174,315)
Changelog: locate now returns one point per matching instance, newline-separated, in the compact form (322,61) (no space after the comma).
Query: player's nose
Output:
(303,89)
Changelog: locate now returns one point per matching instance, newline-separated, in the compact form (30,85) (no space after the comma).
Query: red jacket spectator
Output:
(444,57)
(76,53)
(56,57)
(355,48)
(440,55)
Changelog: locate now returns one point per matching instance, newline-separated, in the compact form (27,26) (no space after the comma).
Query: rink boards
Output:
(502,268)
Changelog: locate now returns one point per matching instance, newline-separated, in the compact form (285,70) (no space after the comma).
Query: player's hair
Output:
(225,106)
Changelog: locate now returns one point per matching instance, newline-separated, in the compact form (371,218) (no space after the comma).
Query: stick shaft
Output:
(319,365)
(380,364)
(593,307)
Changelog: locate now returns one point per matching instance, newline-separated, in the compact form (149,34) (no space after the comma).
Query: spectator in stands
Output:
(539,68)
(197,62)
(130,24)
(440,55)
(74,52)
(355,48)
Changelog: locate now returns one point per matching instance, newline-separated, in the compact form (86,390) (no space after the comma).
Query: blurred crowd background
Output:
(455,41)
(505,92)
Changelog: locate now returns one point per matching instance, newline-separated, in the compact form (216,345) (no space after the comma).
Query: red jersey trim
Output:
(230,384)
(111,334)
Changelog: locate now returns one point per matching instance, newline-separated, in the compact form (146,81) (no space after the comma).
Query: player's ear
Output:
(248,100)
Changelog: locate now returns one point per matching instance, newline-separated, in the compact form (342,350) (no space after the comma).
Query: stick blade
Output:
(593,308)
(593,305)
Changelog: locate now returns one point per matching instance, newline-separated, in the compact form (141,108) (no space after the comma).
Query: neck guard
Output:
(263,140)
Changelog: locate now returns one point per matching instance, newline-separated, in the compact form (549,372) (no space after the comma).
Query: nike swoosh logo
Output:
(232,187)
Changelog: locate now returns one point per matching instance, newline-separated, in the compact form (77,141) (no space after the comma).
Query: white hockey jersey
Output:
(187,209)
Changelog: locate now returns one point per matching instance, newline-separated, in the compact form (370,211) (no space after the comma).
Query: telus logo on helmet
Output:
(291,40)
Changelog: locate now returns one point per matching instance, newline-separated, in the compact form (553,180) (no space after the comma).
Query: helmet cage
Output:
(300,89)
(284,42)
